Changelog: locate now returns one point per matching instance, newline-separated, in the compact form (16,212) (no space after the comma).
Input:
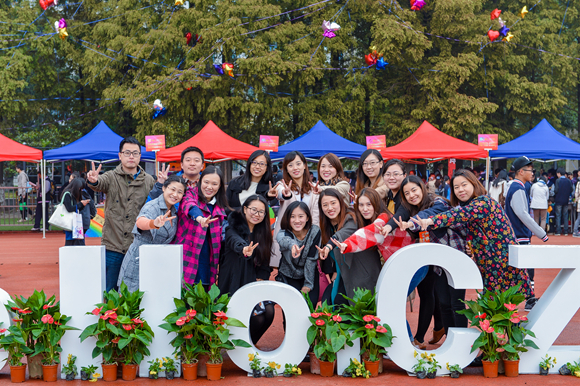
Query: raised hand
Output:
(340,245)
(384,230)
(322,252)
(248,250)
(163,174)
(205,221)
(352,196)
(161,220)
(296,251)
(272,192)
(422,222)
(315,188)
(287,188)
(403,225)
(93,174)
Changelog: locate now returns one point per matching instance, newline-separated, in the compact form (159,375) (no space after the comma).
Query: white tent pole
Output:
(487,165)
(43,187)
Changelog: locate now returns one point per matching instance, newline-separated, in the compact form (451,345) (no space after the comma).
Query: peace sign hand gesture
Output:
(205,221)
(161,220)
(272,192)
(163,174)
(352,196)
(403,225)
(248,250)
(287,188)
(296,251)
(322,252)
(340,245)
(422,222)
(315,188)
(93,174)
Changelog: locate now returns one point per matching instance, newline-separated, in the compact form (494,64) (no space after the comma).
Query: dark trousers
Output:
(22,205)
(38,216)
(428,307)
(259,324)
(450,301)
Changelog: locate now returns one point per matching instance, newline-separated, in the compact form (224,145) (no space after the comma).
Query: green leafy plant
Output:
(327,333)
(271,367)
(169,364)
(497,317)
(120,330)
(422,362)
(432,364)
(154,368)
(290,369)
(255,362)
(13,341)
(89,370)
(455,368)
(70,367)
(357,369)
(361,314)
(547,362)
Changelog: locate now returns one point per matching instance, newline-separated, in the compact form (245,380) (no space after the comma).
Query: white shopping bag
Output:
(77,226)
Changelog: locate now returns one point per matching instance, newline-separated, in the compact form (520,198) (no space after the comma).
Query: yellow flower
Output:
(448,366)
(356,362)
(96,375)
(367,376)
(577,374)
(415,354)
(278,366)
(153,372)
(69,358)
(251,357)
(93,380)
(299,371)
(555,361)
(273,365)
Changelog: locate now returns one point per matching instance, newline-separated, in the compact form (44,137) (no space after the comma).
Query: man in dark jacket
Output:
(562,192)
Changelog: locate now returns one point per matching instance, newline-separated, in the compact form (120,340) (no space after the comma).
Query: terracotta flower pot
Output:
(490,369)
(109,372)
(129,372)
(214,371)
(18,373)
(49,373)
(201,369)
(314,363)
(189,371)
(327,368)
(512,368)
(34,366)
(373,367)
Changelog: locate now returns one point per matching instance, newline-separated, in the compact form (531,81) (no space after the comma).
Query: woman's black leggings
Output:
(259,324)
(429,306)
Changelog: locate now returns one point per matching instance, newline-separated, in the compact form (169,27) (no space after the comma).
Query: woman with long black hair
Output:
(368,174)
(246,257)
(73,202)
(256,180)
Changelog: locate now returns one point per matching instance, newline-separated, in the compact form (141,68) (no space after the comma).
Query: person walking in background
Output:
(126,188)
(22,193)
(499,187)
(562,192)
(575,232)
(540,194)
(73,202)
(42,196)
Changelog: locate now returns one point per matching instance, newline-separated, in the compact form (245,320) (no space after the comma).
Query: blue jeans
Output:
(113,266)
(417,278)
(561,209)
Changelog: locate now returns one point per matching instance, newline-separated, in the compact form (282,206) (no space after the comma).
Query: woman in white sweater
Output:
(539,194)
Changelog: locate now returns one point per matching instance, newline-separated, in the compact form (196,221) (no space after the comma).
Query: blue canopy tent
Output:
(319,141)
(100,144)
(543,142)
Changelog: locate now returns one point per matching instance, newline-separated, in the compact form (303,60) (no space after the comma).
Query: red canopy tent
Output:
(216,145)
(13,151)
(429,145)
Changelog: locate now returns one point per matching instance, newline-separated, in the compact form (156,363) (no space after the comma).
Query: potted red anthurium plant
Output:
(13,341)
(502,334)
(120,332)
(375,337)
(328,335)
(210,322)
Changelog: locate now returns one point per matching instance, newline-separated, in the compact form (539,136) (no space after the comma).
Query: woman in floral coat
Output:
(489,232)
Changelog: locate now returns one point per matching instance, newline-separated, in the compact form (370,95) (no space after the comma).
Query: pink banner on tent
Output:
(487,141)
(269,142)
(154,142)
(378,142)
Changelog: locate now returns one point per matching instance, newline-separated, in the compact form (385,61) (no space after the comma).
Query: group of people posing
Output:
(327,241)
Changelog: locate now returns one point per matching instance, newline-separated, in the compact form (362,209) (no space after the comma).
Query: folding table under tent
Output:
(100,144)
(318,141)
(543,142)
(430,145)
(216,146)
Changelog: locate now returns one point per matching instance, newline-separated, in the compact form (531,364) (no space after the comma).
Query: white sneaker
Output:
(20,220)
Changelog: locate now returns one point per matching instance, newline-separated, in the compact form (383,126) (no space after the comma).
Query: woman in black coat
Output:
(246,257)
(73,201)
(256,180)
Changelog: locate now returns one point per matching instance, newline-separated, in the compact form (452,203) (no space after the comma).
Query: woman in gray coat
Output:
(154,226)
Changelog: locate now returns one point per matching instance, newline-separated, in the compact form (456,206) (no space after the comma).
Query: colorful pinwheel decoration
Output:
(159,109)
(329,29)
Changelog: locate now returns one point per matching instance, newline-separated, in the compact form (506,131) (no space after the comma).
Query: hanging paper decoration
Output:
(492,35)
(60,27)
(503,31)
(44,4)
(495,13)
(329,29)
(228,69)
(508,37)
(159,109)
(178,2)
(218,68)
(381,64)
(417,5)
(373,56)
(524,12)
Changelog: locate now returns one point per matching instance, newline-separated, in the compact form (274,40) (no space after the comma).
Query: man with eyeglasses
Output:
(126,188)
(518,212)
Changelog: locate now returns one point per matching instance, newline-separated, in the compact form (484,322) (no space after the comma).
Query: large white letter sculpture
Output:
(392,288)
(4,318)
(556,307)
(82,282)
(294,347)
(160,273)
